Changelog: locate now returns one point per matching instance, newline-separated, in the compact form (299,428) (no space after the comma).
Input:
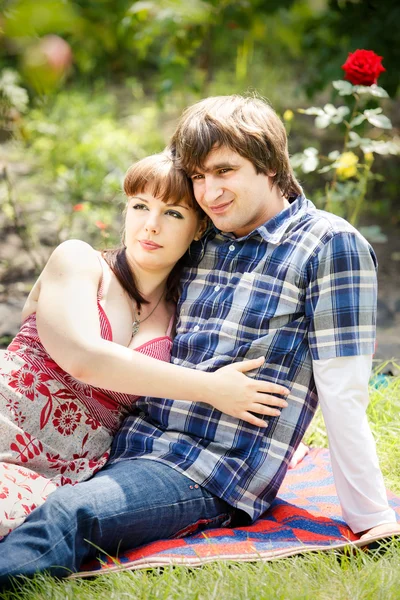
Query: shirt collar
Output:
(275,229)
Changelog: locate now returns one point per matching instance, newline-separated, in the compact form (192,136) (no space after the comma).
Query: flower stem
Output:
(361,197)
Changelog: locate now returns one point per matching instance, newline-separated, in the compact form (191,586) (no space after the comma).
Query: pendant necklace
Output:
(137,321)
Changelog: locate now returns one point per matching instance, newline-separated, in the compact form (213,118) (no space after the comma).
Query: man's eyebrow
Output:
(215,167)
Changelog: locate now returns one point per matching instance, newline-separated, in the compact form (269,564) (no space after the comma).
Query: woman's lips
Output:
(221,208)
(148,245)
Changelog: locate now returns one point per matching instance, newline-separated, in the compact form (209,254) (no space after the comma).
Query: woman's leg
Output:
(125,505)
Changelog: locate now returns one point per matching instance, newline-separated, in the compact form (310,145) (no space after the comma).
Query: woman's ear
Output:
(202,228)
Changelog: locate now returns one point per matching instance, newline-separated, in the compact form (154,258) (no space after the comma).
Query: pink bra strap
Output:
(171,324)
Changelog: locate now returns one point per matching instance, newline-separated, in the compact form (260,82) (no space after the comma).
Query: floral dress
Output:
(54,429)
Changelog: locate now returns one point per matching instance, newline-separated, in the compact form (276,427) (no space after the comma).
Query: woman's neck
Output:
(149,283)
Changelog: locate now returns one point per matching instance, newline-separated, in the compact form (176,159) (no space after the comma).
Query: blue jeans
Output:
(125,505)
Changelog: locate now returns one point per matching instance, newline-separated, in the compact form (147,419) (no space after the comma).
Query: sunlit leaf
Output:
(310,163)
(345,88)
(357,120)
(330,109)
(322,121)
(313,110)
(373,90)
(380,121)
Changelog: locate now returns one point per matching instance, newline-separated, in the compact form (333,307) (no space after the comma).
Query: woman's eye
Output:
(174,213)
(196,177)
(139,207)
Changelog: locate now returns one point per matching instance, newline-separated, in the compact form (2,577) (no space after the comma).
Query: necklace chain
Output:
(137,321)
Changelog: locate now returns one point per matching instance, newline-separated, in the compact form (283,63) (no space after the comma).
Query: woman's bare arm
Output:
(68,325)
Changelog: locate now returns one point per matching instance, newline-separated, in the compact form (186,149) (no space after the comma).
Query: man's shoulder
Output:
(326,225)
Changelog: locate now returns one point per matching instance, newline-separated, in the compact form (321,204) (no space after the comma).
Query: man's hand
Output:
(384,530)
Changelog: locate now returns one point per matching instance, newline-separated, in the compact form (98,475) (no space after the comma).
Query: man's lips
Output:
(149,245)
(221,208)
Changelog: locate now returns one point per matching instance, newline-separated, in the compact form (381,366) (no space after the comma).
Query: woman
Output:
(93,326)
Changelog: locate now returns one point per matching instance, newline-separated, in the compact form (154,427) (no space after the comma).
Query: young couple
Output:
(273,278)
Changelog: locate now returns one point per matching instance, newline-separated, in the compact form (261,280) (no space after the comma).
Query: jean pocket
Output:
(222,520)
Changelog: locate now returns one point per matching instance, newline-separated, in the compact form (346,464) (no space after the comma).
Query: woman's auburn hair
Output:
(246,125)
(157,175)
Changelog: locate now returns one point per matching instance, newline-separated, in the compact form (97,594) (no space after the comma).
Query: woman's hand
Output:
(237,395)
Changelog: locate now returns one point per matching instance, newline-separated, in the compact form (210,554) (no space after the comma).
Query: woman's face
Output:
(157,234)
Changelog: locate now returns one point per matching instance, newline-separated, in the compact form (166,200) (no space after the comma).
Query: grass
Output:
(326,576)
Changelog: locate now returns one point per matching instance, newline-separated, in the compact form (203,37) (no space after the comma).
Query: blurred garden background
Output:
(87,87)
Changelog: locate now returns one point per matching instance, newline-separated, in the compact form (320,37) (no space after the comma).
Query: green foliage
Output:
(349,174)
(13,98)
(78,151)
(343,26)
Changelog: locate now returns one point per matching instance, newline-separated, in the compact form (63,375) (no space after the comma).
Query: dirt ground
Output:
(17,277)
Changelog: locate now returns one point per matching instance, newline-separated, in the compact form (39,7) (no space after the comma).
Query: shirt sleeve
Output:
(340,299)
(342,386)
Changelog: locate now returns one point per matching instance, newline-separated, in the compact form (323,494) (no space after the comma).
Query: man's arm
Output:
(342,386)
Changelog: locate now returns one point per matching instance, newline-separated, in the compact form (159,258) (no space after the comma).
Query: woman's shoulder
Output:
(76,255)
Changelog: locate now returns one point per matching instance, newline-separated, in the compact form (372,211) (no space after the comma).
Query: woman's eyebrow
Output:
(139,198)
(178,205)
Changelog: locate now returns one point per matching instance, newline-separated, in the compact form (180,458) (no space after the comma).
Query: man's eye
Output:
(223,171)
(174,213)
(139,207)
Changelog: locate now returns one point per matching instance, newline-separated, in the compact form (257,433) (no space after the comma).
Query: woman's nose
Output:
(153,224)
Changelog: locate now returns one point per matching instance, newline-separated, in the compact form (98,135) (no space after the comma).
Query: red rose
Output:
(363,67)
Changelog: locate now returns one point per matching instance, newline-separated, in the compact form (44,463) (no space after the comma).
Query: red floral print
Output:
(66,418)
(26,446)
(4,492)
(27,380)
(94,424)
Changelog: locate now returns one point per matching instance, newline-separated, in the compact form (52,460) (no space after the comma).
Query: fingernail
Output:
(277,413)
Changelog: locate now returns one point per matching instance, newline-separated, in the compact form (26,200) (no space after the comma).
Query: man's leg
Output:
(125,505)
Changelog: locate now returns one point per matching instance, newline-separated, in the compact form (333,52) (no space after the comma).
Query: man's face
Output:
(231,193)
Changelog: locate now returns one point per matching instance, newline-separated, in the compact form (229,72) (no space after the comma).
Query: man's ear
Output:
(202,228)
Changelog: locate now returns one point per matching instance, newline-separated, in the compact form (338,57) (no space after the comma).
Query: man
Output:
(275,277)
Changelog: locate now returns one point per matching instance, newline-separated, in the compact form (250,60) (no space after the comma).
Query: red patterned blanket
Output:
(305,517)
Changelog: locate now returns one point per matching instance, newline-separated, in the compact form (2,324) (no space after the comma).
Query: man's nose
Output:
(212,190)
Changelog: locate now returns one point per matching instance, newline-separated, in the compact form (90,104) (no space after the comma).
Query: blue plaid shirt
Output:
(301,287)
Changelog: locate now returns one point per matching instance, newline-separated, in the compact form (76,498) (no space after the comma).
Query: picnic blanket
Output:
(305,517)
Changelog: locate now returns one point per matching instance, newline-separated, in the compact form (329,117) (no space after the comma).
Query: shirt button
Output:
(217,288)
(176,360)
(196,328)
(231,247)
(182,311)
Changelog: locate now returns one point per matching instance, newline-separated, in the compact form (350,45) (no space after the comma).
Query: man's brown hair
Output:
(246,125)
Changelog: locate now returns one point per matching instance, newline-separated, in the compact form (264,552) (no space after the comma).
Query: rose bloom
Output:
(100,225)
(363,67)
